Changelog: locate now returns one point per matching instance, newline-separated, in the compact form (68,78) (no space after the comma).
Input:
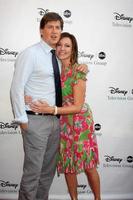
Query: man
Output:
(34,77)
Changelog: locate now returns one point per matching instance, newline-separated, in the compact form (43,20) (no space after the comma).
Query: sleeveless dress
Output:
(78,146)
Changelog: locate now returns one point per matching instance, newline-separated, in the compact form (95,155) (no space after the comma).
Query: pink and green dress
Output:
(78,146)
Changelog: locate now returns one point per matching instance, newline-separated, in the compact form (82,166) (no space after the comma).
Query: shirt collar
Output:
(45,46)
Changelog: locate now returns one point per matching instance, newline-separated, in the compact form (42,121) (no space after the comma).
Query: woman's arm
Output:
(79,98)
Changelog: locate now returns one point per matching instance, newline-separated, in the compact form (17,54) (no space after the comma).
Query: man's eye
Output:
(58,28)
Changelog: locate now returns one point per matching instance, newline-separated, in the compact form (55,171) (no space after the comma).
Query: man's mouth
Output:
(54,37)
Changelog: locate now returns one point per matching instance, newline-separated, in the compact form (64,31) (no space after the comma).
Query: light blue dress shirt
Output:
(33,76)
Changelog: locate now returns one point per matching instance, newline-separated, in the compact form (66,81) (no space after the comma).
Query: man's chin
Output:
(54,43)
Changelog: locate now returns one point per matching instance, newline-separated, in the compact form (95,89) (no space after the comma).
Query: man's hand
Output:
(24,126)
(83,68)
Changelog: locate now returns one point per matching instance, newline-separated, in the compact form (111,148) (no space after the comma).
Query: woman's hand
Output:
(38,106)
(41,107)
(27,99)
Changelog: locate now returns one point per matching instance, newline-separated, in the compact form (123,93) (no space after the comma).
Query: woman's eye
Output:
(67,45)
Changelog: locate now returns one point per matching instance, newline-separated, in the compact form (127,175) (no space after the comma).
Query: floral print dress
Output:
(78,146)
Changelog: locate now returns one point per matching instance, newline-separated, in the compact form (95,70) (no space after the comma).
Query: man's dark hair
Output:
(51,16)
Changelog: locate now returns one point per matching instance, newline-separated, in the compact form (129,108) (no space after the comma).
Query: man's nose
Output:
(54,29)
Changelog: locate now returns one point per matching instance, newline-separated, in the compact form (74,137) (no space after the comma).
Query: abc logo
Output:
(67,13)
(129,159)
(97,127)
(101,55)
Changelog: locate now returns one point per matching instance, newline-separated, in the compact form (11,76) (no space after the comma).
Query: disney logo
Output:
(118,91)
(7,184)
(83,54)
(42,11)
(6,51)
(7,125)
(82,186)
(111,158)
(122,17)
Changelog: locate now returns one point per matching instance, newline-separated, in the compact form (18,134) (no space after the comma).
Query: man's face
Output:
(51,33)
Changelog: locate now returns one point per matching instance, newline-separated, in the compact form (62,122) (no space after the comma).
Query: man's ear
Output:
(41,34)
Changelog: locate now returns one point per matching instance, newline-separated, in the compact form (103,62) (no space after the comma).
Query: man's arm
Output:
(23,69)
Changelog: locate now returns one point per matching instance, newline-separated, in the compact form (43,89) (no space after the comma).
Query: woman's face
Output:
(64,49)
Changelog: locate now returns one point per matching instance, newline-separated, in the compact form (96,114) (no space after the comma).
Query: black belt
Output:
(34,113)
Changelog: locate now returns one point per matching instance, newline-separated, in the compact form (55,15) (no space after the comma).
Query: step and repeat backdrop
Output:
(104,30)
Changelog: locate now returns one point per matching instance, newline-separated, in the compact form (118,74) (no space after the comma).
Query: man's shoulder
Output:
(30,50)
(32,47)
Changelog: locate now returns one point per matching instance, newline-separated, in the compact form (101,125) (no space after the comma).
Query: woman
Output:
(78,150)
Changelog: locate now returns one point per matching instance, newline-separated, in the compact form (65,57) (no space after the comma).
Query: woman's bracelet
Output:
(55,110)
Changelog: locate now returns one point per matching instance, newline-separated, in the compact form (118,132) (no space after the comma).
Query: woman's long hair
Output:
(74,56)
